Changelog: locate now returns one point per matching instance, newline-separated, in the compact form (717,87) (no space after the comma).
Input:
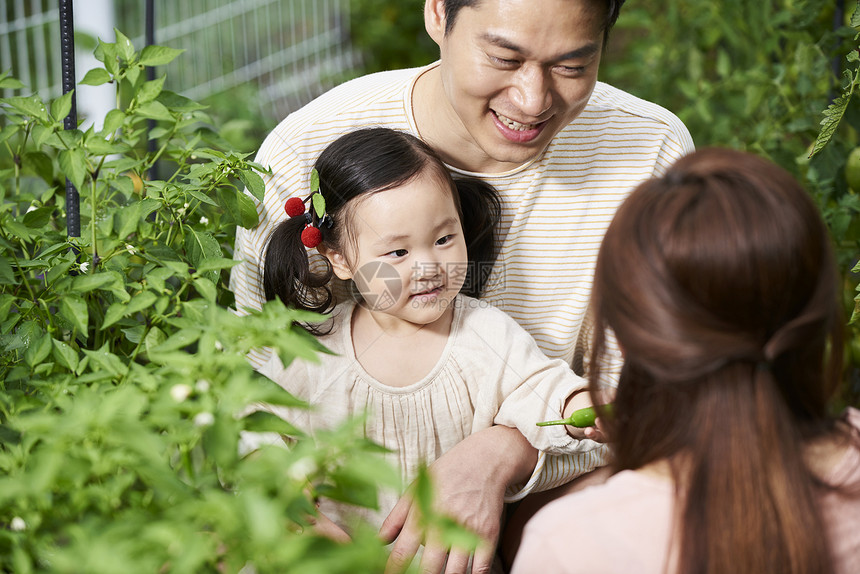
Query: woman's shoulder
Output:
(621,525)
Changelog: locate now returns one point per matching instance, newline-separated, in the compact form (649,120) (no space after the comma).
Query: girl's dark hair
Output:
(719,283)
(368,161)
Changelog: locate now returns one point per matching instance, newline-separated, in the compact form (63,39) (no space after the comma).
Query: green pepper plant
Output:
(124,387)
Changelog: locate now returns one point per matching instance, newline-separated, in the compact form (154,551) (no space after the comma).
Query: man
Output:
(514,100)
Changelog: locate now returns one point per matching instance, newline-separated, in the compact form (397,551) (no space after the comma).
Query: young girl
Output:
(719,284)
(430,364)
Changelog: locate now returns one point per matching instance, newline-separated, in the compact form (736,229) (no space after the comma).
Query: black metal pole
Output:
(67,45)
(150,75)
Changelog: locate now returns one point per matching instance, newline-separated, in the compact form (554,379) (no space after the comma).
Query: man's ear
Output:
(434,19)
(339,264)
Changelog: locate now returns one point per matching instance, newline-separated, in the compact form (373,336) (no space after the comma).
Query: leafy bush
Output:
(123,373)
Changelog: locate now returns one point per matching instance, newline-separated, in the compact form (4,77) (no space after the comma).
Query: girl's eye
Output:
(398,253)
(444,240)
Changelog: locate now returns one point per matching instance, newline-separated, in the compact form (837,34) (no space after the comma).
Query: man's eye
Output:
(503,61)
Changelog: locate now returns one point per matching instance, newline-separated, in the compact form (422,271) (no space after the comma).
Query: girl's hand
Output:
(581,400)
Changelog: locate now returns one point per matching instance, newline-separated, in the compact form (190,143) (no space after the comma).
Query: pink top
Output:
(624,525)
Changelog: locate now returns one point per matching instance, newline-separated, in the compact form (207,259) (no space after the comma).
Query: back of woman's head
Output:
(362,162)
(718,282)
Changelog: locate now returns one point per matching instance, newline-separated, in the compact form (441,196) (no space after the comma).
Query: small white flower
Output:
(130,248)
(204,220)
(180,392)
(18,524)
(303,467)
(31,208)
(204,419)
(186,205)
(202,386)
(218,345)
(85,266)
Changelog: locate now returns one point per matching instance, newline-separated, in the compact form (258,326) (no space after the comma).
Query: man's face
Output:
(514,73)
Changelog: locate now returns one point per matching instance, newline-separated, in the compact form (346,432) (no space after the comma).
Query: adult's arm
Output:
(470,482)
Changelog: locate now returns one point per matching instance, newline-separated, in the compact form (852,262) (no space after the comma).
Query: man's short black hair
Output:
(452,8)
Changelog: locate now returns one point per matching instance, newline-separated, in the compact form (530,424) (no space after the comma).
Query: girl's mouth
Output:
(428,294)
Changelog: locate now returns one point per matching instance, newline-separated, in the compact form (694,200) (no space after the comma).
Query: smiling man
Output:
(514,99)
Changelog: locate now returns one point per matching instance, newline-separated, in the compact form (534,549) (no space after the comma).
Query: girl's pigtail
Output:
(287,272)
(481,211)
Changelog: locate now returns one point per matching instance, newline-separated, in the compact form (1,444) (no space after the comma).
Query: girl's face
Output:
(408,254)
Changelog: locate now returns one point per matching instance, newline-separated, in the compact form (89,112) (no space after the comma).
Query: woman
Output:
(719,283)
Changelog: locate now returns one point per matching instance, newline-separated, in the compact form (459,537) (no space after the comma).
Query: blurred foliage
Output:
(124,387)
(755,76)
(390,34)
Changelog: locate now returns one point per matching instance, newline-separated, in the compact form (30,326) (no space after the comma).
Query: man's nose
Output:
(531,91)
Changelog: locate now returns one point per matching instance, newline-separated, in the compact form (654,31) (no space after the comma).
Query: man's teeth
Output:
(517,126)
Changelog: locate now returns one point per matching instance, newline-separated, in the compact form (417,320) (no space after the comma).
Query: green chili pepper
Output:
(580,418)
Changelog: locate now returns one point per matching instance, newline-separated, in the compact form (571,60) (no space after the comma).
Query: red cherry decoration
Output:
(311,236)
(294,207)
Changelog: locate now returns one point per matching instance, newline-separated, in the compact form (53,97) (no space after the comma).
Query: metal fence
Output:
(281,53)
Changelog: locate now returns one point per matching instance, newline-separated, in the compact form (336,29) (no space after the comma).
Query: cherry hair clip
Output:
(295,207)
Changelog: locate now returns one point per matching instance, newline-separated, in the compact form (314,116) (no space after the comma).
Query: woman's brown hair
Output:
(719,283)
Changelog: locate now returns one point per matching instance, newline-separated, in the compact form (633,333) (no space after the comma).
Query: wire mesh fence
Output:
(280,53)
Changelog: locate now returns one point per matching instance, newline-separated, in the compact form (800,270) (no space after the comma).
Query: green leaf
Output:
(65,355)
(7,274)
(38,217)
(178,340)
(202,197)
(73,164)
(119,310)
(96,77)
(114,313)
(315,180)
(158,55)
(97,145)
(105,52)
(74,310)
(128,220)
(114,120)
(40,164)
(832,117)
(9,83)
(253,183)
(201,245)
(104,359)
(61,107)
(216,263)
(261,421)
(155,111)
(30,106)
(206,288)
(150,90)
(319,204)
(247,210)
(38,350)
(87,283)
(124,46)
